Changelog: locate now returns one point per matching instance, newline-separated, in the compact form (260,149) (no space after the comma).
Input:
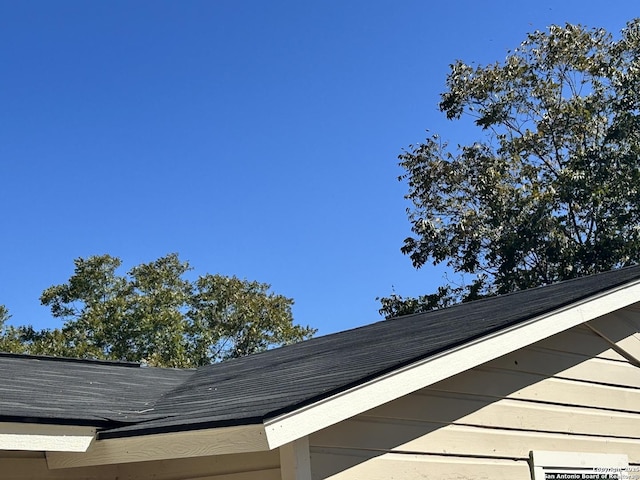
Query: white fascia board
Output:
(288,427)
(40,437)
(165,446)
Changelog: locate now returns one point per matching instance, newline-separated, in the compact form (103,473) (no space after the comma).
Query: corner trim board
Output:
(295,460)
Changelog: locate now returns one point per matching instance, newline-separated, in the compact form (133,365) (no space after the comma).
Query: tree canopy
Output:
(551,190)
(154,314)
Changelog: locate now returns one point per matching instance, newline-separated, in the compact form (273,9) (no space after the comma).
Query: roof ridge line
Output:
(93,361)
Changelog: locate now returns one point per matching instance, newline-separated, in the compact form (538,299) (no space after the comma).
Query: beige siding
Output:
(363,465)
(253,466)
(573,392)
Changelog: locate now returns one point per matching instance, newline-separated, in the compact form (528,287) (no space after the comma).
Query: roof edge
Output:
(38,437)
(91,361)
(199,443)
(289,426)
(489,298)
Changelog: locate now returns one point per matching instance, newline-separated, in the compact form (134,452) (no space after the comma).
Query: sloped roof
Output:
(80,392)
(129,400)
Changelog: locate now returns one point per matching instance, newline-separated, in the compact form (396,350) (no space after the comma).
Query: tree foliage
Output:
(9,340)
(552,189)
(153,314)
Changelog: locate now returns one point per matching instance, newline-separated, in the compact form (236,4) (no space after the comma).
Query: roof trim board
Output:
(198,443)
(290,426)
(39,437)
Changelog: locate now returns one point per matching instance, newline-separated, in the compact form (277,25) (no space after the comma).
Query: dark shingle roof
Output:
(80,392)
(250,389)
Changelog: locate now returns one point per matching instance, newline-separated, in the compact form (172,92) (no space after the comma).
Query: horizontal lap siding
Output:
(581,340)
(571,392)
(624,331)
(442,408)
(254,466)
(343,464)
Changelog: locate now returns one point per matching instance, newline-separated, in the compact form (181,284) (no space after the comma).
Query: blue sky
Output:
(255,138)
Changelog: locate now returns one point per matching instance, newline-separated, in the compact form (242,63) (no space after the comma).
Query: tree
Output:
(9,340)
(4,315)
(230,318)
(552,190)
(153,314)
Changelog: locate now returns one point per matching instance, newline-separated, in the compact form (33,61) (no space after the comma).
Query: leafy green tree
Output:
(230,317)
(551,191)
(153,314)
(16,339)
(95,305)
(9,337)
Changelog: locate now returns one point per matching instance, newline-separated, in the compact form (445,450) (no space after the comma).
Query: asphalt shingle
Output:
(127,400)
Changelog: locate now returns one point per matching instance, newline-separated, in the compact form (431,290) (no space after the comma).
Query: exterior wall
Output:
(250,466)
(571,392)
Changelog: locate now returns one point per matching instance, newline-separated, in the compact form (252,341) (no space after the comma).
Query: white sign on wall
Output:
(580,466)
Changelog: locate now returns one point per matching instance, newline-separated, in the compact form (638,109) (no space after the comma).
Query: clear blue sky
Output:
(255,138)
